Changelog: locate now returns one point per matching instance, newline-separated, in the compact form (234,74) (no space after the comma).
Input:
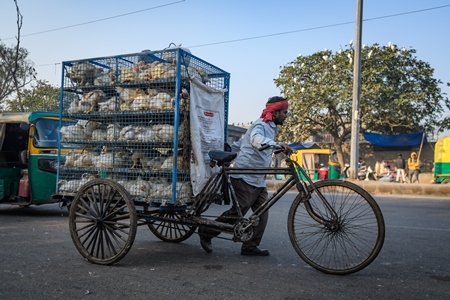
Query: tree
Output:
(40,97)
(23,71)
(398,94)
(15,70)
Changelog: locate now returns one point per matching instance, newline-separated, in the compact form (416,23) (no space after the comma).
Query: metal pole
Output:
(354,146)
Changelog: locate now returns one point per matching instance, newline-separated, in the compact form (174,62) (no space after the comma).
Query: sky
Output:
(250,39)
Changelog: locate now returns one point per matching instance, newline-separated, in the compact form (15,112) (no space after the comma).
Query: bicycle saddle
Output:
(221,156)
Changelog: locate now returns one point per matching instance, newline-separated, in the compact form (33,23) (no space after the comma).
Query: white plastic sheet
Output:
(207,117)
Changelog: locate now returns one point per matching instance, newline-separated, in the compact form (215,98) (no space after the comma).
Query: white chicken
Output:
(104,160)
(168,163)
(73,107)
(157,189)
(106,78)
(164,132)
(128,75)
(144,71)
(158,69)
(155,163)
(127,133)
(85,160)
(143,156)
(71,157)
(162,101)
(69,186)
(126,97)
(139,187)
(107,159)
(113,132)
(84,73)
(72,132)
(170,73)
(98,135)
(141,102)
(144,134)
(90,100)
(152,92)
(110,105)
(125,183)
(89,127)
(184,190)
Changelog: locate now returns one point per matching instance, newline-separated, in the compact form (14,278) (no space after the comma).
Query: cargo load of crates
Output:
(130,122)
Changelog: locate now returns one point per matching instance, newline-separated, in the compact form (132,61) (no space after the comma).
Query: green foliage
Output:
(398,93)
(40,97)
(22,69)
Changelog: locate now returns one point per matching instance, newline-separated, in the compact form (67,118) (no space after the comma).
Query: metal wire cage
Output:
(131,122)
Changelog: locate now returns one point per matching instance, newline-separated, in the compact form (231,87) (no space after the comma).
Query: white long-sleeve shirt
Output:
(250,157)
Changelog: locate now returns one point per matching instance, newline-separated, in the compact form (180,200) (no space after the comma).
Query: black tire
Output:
(169,231)
(102,221)
(356,240)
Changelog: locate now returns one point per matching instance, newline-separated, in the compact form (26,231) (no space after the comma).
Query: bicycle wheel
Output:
(171,232)
(102,221)
(352,242)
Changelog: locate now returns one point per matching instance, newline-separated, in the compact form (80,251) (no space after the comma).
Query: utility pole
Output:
(354,145)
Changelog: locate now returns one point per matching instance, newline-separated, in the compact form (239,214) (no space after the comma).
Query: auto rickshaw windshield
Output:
(46,133)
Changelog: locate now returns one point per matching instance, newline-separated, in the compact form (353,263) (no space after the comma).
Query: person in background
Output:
(361,165)
(251,191)
(413,167)
(400,166)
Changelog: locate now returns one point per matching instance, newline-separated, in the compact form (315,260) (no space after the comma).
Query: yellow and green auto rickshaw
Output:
(442,160)
(318,163)
(29,157)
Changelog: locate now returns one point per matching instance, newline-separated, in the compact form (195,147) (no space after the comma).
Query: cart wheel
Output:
(171,232)
(102,221)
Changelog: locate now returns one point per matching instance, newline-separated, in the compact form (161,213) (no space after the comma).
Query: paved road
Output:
(39,261)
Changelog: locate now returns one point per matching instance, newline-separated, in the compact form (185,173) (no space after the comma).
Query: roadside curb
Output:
(389,188)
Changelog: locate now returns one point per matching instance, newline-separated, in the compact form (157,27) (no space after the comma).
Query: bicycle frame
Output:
(298,178)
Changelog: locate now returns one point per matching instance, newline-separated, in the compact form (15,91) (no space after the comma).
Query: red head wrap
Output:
(271,107)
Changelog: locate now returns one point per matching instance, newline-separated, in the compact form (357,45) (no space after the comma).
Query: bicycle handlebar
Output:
(277,148)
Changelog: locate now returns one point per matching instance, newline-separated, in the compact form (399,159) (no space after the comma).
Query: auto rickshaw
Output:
(318,163)
(441,172)
(29,157)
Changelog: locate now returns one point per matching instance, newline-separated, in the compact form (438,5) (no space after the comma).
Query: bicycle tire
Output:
(169,231)
(354,244)
(102,221)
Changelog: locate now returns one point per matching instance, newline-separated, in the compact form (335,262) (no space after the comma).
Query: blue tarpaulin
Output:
(305,145)
(391,140)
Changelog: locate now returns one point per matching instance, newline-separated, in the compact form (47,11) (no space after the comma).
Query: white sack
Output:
(207,116)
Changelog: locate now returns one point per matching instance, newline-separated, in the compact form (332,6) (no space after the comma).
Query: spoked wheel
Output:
(169,231)
(102,221)
(351,239)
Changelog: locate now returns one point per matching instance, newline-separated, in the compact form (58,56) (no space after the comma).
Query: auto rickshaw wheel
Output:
(102,221)
(168,231)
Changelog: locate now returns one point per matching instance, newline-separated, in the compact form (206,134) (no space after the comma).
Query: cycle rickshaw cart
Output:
(141,164)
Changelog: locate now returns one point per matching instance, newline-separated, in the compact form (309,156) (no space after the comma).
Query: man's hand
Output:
(286,147)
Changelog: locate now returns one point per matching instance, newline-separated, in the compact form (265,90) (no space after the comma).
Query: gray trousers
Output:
(249,197)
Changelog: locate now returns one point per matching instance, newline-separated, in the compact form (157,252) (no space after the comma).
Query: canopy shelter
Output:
(395,140)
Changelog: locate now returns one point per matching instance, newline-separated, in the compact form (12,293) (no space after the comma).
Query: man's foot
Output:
(255,251)
(205,242)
